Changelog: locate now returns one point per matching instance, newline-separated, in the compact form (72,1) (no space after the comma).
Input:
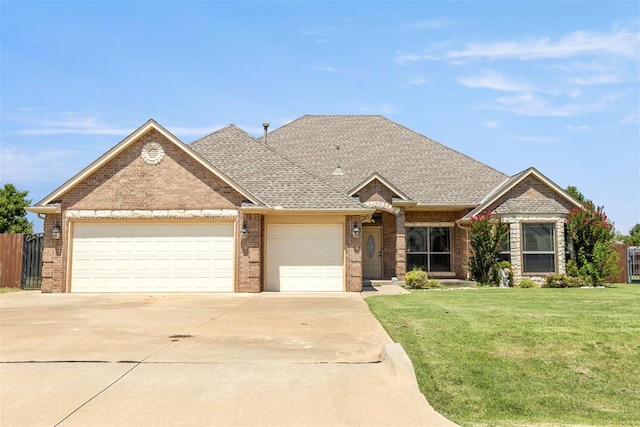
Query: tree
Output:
(575,193)
(486,237)
(634,236)
(592,237)
(13,217)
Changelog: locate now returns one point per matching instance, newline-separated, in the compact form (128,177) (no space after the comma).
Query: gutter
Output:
(44,210)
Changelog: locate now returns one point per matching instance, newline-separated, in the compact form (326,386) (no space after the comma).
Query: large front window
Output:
(538,251)
(429,248)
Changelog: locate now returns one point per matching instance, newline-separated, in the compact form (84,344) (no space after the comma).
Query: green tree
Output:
(13,217)
(575,193)
(634,236)
(592,236)
(486,237)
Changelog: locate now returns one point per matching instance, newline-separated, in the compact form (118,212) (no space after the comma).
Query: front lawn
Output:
(508,357)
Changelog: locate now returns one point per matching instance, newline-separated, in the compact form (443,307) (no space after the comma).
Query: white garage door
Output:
(152,257)
(304,257)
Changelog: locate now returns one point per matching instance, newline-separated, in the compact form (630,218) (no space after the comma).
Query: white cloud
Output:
(64,123)
(39,166)
(493,80)
(530,104)
(428,24)
(492,125)
(577,127)
(631,118)
(328,68)
(418,79)
(621,43)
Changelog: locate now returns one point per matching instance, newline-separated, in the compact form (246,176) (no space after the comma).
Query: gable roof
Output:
(519,205)
(421,168)
(383,181)
(122,145)
(277,181)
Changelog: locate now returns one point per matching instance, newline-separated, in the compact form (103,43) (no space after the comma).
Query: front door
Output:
(372,252)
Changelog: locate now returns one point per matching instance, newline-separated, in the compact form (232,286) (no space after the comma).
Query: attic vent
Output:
(152,153)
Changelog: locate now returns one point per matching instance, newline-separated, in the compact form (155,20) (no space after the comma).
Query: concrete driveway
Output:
(202,359)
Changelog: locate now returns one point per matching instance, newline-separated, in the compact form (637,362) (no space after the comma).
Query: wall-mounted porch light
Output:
(356,231)
(244,232)
(55,232)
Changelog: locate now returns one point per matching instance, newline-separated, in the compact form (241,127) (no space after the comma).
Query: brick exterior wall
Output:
(249,254)
(353,255)
(458,236)
(178,182)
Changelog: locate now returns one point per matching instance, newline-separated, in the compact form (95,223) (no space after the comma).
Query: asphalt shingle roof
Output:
(427,171)
(531,206)
(267,175)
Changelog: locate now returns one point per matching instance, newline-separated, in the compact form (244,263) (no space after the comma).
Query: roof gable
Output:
(519,205)
(383,181)
(124,144)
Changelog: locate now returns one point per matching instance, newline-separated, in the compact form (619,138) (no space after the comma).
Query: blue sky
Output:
(550,84)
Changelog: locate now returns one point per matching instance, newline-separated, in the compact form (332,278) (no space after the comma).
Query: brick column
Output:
(353,255)
(249,271)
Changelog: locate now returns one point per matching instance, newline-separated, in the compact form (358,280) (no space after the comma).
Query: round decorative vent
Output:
(152,153)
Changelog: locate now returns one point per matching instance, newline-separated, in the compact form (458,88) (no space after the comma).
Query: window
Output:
(538,250)
(505,250)
(429,248)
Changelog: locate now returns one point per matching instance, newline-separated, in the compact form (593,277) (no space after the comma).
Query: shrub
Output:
(592,236)
(572,268)
(562,281)
(418,279)
(527,283)
(486,237)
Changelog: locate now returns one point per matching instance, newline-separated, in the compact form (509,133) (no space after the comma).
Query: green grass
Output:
(508,357)
(7,290)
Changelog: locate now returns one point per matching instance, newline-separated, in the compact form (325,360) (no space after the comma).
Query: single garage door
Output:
(305,257)
(152,257)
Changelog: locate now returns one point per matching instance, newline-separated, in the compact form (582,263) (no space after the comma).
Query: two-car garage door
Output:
(152,257)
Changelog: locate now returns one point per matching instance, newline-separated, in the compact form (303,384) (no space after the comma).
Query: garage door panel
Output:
(305,257)
(152,257)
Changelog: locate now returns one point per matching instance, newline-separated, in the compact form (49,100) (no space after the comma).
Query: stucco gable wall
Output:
(531,188)
(127,182)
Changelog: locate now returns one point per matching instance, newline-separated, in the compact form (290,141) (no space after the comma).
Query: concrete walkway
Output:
(176,359)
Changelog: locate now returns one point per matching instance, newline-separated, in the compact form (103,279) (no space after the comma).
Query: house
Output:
(317,205)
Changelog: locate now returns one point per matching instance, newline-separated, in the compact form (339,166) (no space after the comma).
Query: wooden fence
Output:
(623,265)
(11,247)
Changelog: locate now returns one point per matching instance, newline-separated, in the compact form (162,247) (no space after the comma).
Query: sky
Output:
(513,84)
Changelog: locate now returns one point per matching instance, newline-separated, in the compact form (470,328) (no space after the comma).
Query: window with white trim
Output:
(538,248)
(429,248)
